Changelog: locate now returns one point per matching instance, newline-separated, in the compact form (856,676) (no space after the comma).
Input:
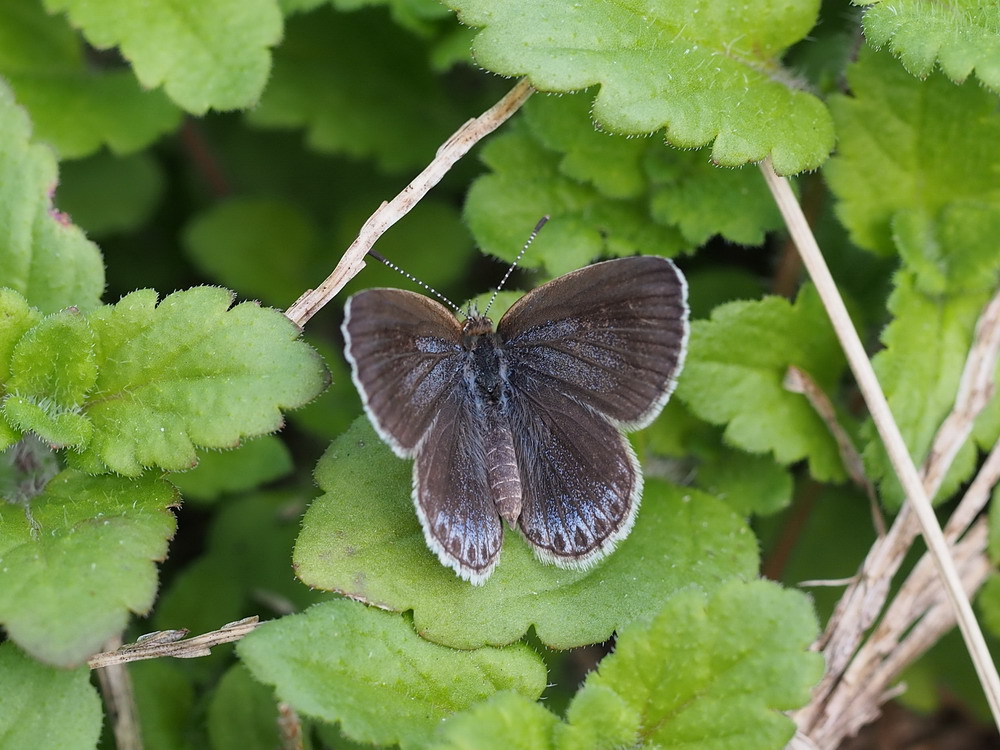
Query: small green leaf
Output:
(749,483)
(362,538)
(713,76)
(988,601)
(211,54)
(926,346)
(343,661)
(505,721)
(190,371)
(262,248)
(42,255)
(76,559)
(43,707)
(106,194)
(164,698)
(53,367)
(242,714)
(503,206)
(961,36)
(735,369)
(77,106)
(254,463)
(712,671)
(910,146)
(354,109)
(417,16)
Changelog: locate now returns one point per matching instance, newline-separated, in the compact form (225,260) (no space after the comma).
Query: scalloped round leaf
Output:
(683,188)
(44,61)
(362,538)
(189,372)
(354,109)
(708,73)
(712,671)
(214,54)
(78,558)
(44,707)
(16,318)
(961,36)
(735,370)
(42,255)
(341,661)
(55,359)
(505,721)
(909,145)
(526,182)
(926,346)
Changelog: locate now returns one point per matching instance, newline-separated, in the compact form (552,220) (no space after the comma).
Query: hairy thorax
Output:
(486,378)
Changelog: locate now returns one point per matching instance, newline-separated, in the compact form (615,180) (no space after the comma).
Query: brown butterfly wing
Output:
(611,336)
(405,360)
(407,363)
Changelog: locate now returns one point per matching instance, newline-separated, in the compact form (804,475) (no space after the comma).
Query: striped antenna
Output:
(415,280)
(531,238)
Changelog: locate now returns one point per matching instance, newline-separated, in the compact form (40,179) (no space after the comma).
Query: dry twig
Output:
(389,213)
(917,497)
(116,689)
(173,643)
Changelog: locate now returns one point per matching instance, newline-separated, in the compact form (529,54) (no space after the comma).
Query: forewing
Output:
(581,483)
(405,360)
(452,494)
(611,335)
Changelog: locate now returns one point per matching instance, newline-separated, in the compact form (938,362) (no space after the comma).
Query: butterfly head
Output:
(476,325)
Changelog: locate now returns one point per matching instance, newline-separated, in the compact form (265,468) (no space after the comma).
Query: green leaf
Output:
(254,463)
(735,369)
(709,671)
(960,36)
(190,372)
(262,248)
(926,345)
(526,182)
(164,698)
(77,106)
(911,146)
(711,76)
(751,484)
(343,661)
(16,318)
(988,601)
(111,195)
(42,255)
(211,54)
(77,558)
(242,714)
(712,671)
(45,707)
(362,538)
(354,109)
(505,721)
(683,188)
(53,367)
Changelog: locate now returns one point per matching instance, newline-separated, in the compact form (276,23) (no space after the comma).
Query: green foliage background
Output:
(179,456)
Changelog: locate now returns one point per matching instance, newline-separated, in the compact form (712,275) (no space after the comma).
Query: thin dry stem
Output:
(389,213)
(289,727)
(119,698)
(799,381)
(172,643)
(917,498)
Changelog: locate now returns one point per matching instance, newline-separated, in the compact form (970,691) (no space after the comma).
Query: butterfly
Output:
(524,424)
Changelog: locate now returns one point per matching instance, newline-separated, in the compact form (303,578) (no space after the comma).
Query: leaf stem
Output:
(878,406)
(457,146)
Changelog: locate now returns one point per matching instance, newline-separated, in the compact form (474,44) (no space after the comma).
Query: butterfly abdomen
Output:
(501,468)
